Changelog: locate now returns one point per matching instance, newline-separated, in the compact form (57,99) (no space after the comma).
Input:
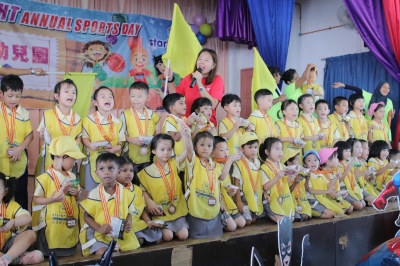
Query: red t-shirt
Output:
(215,89)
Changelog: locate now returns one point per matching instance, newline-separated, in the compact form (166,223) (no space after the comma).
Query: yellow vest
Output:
(350,181)
(381,133)
(331,133)
(299,196)
(11,210)
(264,125)
(364,184)
(232,143)
(230,205)
(179,147)
(382,179)
(138,201)
(310,128)
(359,126)
(284,133)
(343,131)
(339,201)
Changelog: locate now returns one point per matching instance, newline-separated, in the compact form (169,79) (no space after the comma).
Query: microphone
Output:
(193,78)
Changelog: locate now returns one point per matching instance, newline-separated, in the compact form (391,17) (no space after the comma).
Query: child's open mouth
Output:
(96,54)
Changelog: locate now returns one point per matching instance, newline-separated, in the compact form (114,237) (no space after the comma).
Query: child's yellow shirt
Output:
(264,125)
(311,128)
(171,125)
(285,129)
(342,128)
(358,125)
(331,134)
(381,132)
(226,125)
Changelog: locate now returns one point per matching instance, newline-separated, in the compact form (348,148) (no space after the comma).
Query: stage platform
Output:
(333,242)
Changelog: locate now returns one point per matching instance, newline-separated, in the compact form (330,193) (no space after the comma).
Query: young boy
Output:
(339,117)
(358,123)
(55,212)
(139,122)
(246,177)
(330,129)
(106,207)
(263,124)
(15,136)
(232,126)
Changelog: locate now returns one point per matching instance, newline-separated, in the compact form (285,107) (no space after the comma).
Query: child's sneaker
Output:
(33,257)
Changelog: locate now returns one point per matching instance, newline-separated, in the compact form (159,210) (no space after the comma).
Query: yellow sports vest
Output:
(230,205)
(310,129)
(264,125)
(358,125)
(350,181)
(299,196)
(382,179)
(11,209)
(364,184)
(381,132)
(138,201)
(329,129)
(232,143)
(179,147)
(284,133)
(343,131)
(339,201)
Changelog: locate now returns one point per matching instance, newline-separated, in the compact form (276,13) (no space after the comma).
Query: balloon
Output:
(112,39)
(121,18)
(116,62)
(198,20)
(206,29)
(202,39)
(195,28)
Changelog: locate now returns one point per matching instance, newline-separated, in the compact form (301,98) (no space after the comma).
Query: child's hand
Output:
(267,198)
(238,123)
(240,206)
(191,119)
(235,157)
(332,192)
(159,92)
(8,226)
(280,174)
(153,209)
(222,208)
(315,138)
(297,179)
(250,128)
(15,154)
(290,139)
(41,133)
(105,229)
(93,147)
(113,149)
(57,196)
(231,190)
(366,172)
(282,98)
(138,141)
(128,226)
(73,191)
(168,73)
(212,130)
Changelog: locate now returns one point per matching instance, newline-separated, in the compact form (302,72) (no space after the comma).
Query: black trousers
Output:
(21,190)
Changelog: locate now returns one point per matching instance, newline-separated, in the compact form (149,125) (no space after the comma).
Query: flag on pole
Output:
(183,46)
(263,79)
(84,84)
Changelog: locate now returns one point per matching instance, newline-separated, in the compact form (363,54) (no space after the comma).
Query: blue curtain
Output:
(272,21)
(361,70)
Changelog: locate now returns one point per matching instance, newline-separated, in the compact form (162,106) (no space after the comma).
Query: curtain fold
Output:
(272,21)
(392,15)
(368,17)
(233,22)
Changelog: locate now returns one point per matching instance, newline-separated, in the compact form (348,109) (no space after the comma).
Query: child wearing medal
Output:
(162,188)
(139,123)
(141,223)
(59,121)
(15,136)
(107,211)
(358,123)
(378,130)
(278,199)
(14,238)
(326,126)
(309,123)
(220,156)
(247,177)
(203,193)
(202,107)
(54,207)
(369,179)
(102,132)
(339,117)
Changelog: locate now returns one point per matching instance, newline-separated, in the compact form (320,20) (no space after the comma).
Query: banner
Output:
(120,48)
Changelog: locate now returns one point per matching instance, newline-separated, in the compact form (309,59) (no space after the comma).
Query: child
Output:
(232,126)
(326,126)
(15,238)
(162,187)
(329,164)
(59,121)
(360,173)
(247,177)
(289,131)
(220,157)
(109,205)
(309,123)
(279,202)
(15,136)
(259,118)
(311,87)
(378,130)
(348,179)
(202,107)
(102,132)
(358,123)
(139,122)
(298,190)
(202,177)
(394,155)
(370,178)
(339,117)
(377,159)
(55,197)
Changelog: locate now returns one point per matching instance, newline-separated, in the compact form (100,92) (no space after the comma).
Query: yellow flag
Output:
(84,84)
(263,79)
(183,46)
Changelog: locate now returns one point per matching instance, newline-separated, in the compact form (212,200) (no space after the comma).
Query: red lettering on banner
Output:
(34,19)
(14,11)
(115,30)
(53,22)
(86,25)
(109,27)
(44,19)
(78,25)
(102,28)
(61,24)
(20,52)
(3,51)
(130,29)
(25,18)
(4,8)
(69,24)
(93,28)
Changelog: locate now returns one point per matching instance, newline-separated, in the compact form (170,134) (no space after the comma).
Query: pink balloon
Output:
(195,28)
(198,20)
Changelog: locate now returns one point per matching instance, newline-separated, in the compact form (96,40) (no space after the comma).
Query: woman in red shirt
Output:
(208,83)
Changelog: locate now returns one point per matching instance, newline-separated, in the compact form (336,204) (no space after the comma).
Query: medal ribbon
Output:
(233,124)
(298,196)
(351,178)
(10,130)
(170,188)
(383,175)
(382,129)
(341,124)
(210,176)
(71,123)
(289,131)
(146,123)
(68,207)
(326,135)
(111,129)
(3,214)
(312,129)
(279,185)
(104,203)
(268,122)
(362,128)
(253,183)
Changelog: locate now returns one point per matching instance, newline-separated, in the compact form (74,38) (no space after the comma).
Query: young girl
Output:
(141,222)
(377,159)
(358,123)
(298,188)
(360,173)
(15,238)
(202,177)
(370,178)
(349,183)
(203,108)
(275,181)
(220,156)
(162,188)
(326,126)
(329,164)
(290,132)
(55,196)
(102,132)
(378,130)
(309,123)
(59,121)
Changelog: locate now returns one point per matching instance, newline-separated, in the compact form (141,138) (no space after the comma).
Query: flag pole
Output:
(166,79)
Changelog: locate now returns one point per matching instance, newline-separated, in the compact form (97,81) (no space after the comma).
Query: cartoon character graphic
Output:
(285,240)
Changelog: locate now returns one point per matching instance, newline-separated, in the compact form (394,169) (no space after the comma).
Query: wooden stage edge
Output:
(333,242)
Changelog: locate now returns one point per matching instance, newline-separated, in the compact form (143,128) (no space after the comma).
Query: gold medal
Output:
(143,150)
(171,209)
(71,222)
(299,208)
(280,200)
(212,201)
(314,144)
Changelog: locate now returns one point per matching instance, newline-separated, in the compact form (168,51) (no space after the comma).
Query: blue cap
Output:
(311,152)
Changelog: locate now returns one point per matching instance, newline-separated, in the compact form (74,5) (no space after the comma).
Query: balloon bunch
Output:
(201,28)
